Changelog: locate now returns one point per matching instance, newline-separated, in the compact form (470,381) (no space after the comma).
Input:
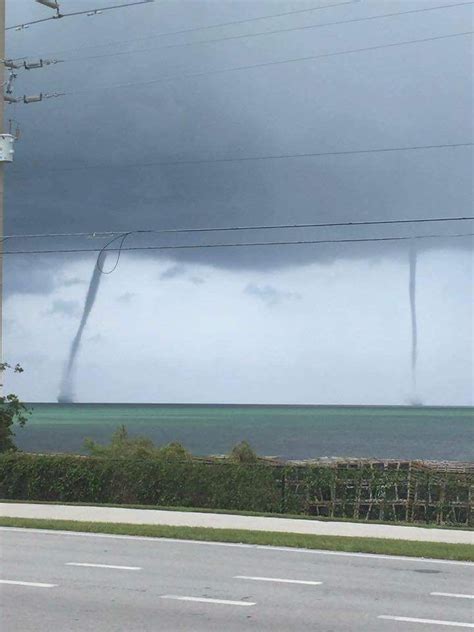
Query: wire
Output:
(269,63)
(122,238)
(101,9)
(261,65)
(263,33)
(210,26)
(203,161)
(67,15)
(239,228)
(234,245)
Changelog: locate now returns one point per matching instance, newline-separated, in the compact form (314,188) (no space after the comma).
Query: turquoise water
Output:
(288,431)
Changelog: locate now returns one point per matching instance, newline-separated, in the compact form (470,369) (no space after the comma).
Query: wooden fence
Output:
(408,491)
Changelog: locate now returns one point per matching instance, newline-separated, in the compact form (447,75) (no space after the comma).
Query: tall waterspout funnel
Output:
(66,390)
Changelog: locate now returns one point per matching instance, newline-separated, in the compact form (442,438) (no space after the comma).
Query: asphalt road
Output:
(54,581)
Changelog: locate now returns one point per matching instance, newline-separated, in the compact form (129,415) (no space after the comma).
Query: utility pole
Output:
(2,167)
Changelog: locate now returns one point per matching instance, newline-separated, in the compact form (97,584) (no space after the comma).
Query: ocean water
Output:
(296,432)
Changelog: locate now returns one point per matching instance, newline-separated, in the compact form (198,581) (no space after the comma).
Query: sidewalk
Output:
(229,521)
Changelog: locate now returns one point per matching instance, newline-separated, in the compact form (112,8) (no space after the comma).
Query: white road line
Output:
(285,549)
(120,568)
(225,602)
(457,595)
(33,584)
(278,580)
(453,624)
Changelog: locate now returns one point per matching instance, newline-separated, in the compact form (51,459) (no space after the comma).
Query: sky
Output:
(314,324)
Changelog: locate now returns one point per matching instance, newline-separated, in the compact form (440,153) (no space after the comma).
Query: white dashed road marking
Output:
(279,580)
(456,595)
(33,584)
(453,624)
(225,602)
(120,568)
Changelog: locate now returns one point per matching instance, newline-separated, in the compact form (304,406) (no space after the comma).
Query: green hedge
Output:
(147,482)
(366,492)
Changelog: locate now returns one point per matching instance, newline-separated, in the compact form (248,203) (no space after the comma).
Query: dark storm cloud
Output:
(413,95)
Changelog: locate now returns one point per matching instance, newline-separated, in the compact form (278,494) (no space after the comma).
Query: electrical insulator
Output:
(32,64)
(9,63)
(34,98)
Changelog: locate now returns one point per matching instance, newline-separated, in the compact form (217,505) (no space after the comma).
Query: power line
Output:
(240,228)
(233,245)
(274,32)
(203,161)
(105,249)
(262,65)
(270,63)
(211,26)
(52,4)
(19,27)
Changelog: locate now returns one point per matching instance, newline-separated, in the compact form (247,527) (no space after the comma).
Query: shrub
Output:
(12,411)
(148,481)
(243,453)
(168,479)
(123,446)
(175,451)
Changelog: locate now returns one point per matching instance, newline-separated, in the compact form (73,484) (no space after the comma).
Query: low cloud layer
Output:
(173,272)
(269,294)
(346,340)
(67,308)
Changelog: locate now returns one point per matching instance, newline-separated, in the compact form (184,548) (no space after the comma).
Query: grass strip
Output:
(434,550)
(239,512)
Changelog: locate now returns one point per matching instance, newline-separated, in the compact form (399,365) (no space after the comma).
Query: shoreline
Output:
(233,405)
